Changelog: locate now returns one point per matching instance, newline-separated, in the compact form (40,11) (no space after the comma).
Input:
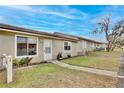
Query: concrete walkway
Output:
(85,69)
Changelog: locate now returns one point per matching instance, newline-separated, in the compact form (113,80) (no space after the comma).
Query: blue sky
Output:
(76,20)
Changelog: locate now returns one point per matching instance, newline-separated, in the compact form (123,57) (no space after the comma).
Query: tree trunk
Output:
(112,49)
(108,47)
(114,46)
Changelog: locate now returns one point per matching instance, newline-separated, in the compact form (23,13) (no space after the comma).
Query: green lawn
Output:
(50,75)
(100,59)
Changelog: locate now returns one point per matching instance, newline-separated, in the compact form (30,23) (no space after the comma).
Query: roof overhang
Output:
(39,35)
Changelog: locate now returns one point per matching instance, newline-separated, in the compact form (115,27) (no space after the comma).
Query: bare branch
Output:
(112,35)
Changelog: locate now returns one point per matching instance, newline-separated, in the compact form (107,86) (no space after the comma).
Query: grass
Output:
(50,75)
(100,59)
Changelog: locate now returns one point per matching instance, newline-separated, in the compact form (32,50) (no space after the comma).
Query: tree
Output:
(113,34)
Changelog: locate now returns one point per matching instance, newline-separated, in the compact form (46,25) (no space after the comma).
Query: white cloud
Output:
(21,7)
(53,23)
(59,14)
(66,12)
(61,11)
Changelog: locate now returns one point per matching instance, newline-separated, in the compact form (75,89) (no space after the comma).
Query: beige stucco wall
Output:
(7,46)
(83,45)
(74,49)
(78,46)
(39,57)
(87,45)
(58,46)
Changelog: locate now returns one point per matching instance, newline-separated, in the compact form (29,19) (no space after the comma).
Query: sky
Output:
(79,20)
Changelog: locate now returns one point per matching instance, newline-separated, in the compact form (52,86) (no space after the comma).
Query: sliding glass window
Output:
(26,46)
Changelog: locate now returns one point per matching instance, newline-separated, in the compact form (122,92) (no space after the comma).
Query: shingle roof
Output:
(65,35)
(21,29)
(78,37)
(11,27)
(55,34)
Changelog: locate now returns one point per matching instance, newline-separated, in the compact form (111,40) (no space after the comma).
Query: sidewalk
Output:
(85,69)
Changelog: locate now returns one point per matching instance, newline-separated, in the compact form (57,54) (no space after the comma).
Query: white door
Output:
(47,49)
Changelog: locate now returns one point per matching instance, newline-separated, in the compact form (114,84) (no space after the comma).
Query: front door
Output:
(47,49)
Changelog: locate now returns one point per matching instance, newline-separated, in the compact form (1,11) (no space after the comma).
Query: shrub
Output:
(22,61)
(28,60)
(25,61)
(17,62)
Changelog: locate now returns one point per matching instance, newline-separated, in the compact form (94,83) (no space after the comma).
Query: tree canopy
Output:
(114,34)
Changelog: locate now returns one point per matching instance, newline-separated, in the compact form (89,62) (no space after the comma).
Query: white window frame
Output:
(70,46)
(27,46)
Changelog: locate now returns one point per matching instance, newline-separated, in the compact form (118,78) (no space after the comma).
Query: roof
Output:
(10,27)
(78,37)
(21,29)
(65,35)
(55,34)
(82,38)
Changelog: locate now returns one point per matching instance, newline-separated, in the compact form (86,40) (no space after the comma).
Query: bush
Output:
(16,62)
(27,60)
(21,62)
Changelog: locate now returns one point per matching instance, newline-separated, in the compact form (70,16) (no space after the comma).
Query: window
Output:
(67,46)
(47,50)
(21,46)
(26,46)
(32,46)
